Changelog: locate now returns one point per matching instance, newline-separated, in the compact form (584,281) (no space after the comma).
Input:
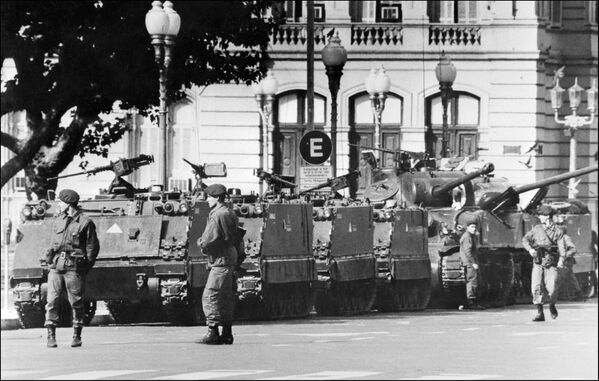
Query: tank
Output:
(428,199)
(499,201)
(345,260)
(275,279)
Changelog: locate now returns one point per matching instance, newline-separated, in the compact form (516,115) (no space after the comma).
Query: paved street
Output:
(435,344)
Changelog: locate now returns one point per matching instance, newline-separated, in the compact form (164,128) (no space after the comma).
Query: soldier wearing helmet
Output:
(549,248)
(219,242)
(72,253)
(469,258)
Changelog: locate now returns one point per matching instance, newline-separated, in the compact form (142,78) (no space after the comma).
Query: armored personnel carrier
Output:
(342,247)
(147,269)
(275,279)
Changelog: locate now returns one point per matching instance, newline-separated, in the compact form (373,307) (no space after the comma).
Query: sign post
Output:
(315,149)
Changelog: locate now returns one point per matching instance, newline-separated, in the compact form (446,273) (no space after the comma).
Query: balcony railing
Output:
(373,34)
(453,35)
(295,34)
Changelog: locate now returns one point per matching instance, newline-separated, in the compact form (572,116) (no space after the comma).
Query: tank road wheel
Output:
(588,284)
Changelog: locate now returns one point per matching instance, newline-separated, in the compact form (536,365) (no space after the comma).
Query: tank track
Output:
(496,288)
(287,300)
(31,315)
(403,295)
(346,298)
(521,293)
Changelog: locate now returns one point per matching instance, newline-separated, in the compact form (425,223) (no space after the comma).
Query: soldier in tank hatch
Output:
(469,258)
(73,251)
(219,241)
(549,249)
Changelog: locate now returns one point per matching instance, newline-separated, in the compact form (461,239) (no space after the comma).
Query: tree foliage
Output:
(82,56)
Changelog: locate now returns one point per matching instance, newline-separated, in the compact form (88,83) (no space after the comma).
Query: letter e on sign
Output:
(315,147)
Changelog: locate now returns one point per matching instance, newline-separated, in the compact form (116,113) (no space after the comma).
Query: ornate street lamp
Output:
(572,121)
(377,85)
(163,23)
(446,73)
(334,57)
(265,92)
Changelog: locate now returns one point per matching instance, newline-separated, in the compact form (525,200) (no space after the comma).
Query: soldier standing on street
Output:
(549,249)
(469,258)
(568,281)
(72,253)
(219,242)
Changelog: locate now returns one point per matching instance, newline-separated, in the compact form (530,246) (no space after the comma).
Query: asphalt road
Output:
(434,344)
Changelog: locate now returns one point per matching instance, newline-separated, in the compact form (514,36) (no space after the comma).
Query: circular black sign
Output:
(315,147)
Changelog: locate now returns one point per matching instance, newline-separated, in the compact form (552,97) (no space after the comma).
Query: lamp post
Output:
(334,57)
(377,85)
(572,121)
(265,92)
(163,23)
(446,73)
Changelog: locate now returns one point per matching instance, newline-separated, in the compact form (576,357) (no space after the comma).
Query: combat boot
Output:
(540,315)
(553,311)
(77,336)
(473,305)
(52,337)
(227,336)
(211,337)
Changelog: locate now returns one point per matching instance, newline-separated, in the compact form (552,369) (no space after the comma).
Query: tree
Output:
(80,57)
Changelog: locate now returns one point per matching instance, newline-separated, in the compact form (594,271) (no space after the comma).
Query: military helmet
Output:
(545,210)
(216,190)
(69,196)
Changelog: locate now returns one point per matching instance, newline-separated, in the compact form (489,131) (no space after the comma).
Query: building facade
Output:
(506,54)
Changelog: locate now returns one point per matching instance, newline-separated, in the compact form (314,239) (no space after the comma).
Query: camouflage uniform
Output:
(218,242)
(73,252)
(552,247)
(469,257)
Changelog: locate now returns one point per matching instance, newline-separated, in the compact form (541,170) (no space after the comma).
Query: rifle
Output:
(336,183)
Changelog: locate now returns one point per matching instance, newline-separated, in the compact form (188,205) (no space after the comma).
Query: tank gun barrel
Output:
(440,190)
(555,179)
(510,195)
(120,167)
(335,183)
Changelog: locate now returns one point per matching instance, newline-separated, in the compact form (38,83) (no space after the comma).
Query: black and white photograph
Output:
(299,190)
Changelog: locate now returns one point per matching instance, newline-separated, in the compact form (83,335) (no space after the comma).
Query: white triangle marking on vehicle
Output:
(114,229)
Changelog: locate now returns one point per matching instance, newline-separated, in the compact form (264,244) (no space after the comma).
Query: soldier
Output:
(219,242)
(469,258)
(73,252)
(567,278)
(549,249)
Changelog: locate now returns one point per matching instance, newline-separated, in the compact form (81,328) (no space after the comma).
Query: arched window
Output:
(362,129)
(463,119)
(290,116)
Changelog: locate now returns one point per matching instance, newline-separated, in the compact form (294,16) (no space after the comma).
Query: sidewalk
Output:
(10,319)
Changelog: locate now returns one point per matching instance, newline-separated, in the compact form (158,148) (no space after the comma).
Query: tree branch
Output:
(10,142)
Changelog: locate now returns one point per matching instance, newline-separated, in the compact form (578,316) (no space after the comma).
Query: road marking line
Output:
(498,325)
(471,329)
(361,338)
(326,375)
(211,374)
(435,332)
(337,334)
(94,374)
(537,333)
(281,345)
(549,347)
(455,376)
